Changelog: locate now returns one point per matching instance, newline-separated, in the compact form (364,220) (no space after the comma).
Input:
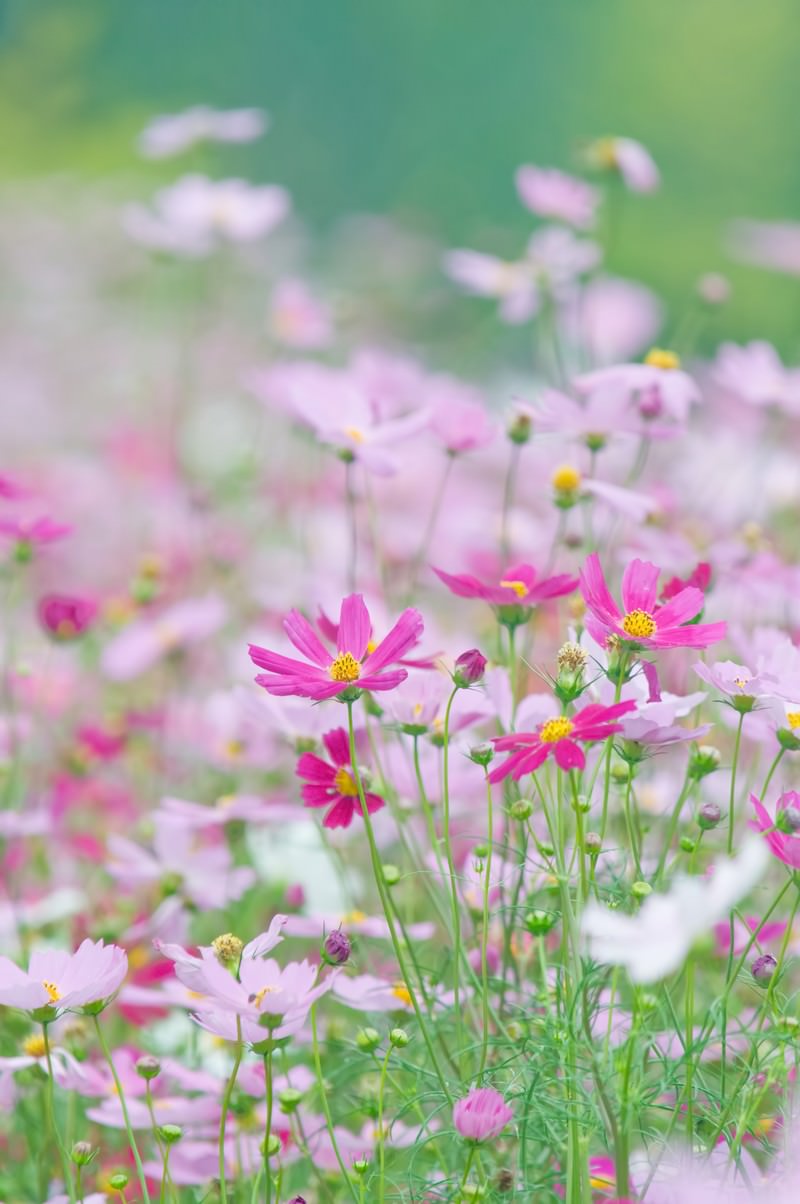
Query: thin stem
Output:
(323,1091)
(433,519)
(50,1103)
(509,487)
(226,1103)
(126,1118)
(381,1134)
(731,823)
(487,875)
(268,1126)
(448,847)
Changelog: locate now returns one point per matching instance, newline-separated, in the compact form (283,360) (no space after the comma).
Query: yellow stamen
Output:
(600,1182)
(33,1046)
(234,748)
(52,991)
(345,668)
(639,624)
(565,479)
(741,682)
(371,646)
(401,992)
(354,433)
(555,729)
(793,719)
(344,784)
(659,358)
(138,956)
(258,998)
(354,917)
(519,587)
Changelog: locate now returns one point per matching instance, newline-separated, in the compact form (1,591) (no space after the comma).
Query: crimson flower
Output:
(332,784)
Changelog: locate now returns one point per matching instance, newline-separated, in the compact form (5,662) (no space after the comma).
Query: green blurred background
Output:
(423,108)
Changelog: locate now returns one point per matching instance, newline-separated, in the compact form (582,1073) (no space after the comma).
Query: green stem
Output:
(50,1103)
(448,848)
(771,771)
(323,1091)
(126,1118)
(731,825)
(268,1127)
(226,1103)
(508,498)
(381,1134)
(487,874)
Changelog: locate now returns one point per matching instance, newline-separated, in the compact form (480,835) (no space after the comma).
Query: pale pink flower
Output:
(172,133)
(550,193)
(298,318)
(774,245)
(56,982)
(149,639)
(756,374)
(482,1114)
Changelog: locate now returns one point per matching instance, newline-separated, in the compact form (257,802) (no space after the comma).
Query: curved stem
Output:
(126,1118)
(325,1105)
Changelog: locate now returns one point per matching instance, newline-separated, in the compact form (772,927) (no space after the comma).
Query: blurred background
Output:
(422,110)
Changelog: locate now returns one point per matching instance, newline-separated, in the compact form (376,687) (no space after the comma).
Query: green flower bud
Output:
(521,809)
(399,1038)
(368,1039)
(169,1134)
(640,890)
(289,1100)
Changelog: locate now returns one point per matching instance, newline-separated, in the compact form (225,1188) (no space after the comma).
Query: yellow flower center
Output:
(793,719)
(659,358)
(741,682)
(344,784)
(354,433)
(519,587)
(345,668)
(401,992)
(639,624)
(371,646)
(565,479)
(258,998)
(600,1182)
(354,917)
(33,1046)
(138,956)
(52,991)
(555,729)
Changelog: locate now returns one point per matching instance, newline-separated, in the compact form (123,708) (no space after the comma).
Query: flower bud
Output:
(481,754)
(228,949)
(297,1200)
(788,738)
(148,1067)
(391,874)
(592,843)
(294,896)
(539,923)
(469,668)
(504,1181)
(687,845)
(516,1030)
(640,890)
(361,1166)
(368,1039)
(713,289)
(566,482)
(118,1181)
(272,1147)
(708,816)
(572,662)
(521,809)
(787,820)
(703,759)
(82,1153)
(336,948)
(519,428)
(399,1038)
(289,1100)
(763,969)
(169,1134)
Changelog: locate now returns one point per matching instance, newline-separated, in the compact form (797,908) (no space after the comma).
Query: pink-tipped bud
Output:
(763,968)
(470,668)
(336,947)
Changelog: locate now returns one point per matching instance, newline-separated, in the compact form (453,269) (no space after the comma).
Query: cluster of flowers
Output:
(379,665)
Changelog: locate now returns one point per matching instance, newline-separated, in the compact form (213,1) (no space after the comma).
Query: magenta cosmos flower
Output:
(783,832)
(332,783)
(58,982)
(355,664)
(558,736)
(518,586)
(64,616)
(481,1115)
(644,624)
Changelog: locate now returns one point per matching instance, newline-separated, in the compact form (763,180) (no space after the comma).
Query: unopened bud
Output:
(361,1166)
(228,948)
(519,428)
(272,1147)
(289,1100)
(640,890)
(763,968)
(82,1153)
(708,816)
(521,809)
(399,1038)
(336,948)
(687,844)
(703,760)
(592,843)
(169,1134)
(148,1067)
(368,1039)
(539,923)
(118,1181)
(469,668)
(481,754)
(391,874)
(787,819)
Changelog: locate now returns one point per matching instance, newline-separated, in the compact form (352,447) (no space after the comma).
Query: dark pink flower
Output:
(30,532)
(644,623)
(354,666)
(65,616)
(332,784)
(482,1114)
(700,578)
(558,736)
(518,586)
(783,832)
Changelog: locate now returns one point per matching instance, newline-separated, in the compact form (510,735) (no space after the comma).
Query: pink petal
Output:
(694,635)
(684,606)
(568,755)
(596,592)
(312,768)
(337,743)
(403,636)
(340,814)
(640,586)
(305,639)
(462,584)
(354,626)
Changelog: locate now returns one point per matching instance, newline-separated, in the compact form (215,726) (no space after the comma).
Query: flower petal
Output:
(354,626)
(640,586)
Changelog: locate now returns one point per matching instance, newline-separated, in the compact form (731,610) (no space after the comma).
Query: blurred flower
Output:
(783,832)
(632,161)
(297,318)
(755,374)
(550,193)
(774,245)
(65,616)
(172,133)
(518,586)
(146,641)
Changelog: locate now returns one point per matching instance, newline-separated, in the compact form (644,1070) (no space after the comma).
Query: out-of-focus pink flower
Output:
(558,736)
(56,981)
(774,245)
(196,214)
(65,616)
(613,319)
(271,1001)
(756,374)
(29,533)
(368,993)
(518,586)
(458,415)
(482,1114)
(783,832)
(632,161)
(644,623)
(172,133)
(146,641)
(659,386)
(297,318)
(487,276)
(700,578)
(737,681)
(550,193)
(194,971)
(332,783)
(354,666)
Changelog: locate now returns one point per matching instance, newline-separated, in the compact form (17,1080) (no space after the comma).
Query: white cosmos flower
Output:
(656,941)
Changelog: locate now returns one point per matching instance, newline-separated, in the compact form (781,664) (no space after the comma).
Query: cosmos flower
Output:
(629,159)
(297,318)
(171,133)
(659,386)
(482,1114)
(783,832)
(558,736)
(655,942)
(56,981)
(644,624)
(518,586)
(65,616)
(332,783)
(146,641)
(550,193)
(325,676)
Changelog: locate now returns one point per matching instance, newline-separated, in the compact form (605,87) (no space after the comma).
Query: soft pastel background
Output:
(422,109)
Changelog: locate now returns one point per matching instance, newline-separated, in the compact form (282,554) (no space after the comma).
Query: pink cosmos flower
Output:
(482,1114)
(271,1001)
(487,276)
(171,133)
(644,623)
(659,386)
(458,415)
(756,374)
(332,784)
(630,159)
(737,681)
(783,832)
(297,318)
(147,640)
(518,586)
(65,616)
(550,193)
(58,982)
(558,736)
(32,532)
(613,319)
(354,666)
(200,973)
(774,245)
